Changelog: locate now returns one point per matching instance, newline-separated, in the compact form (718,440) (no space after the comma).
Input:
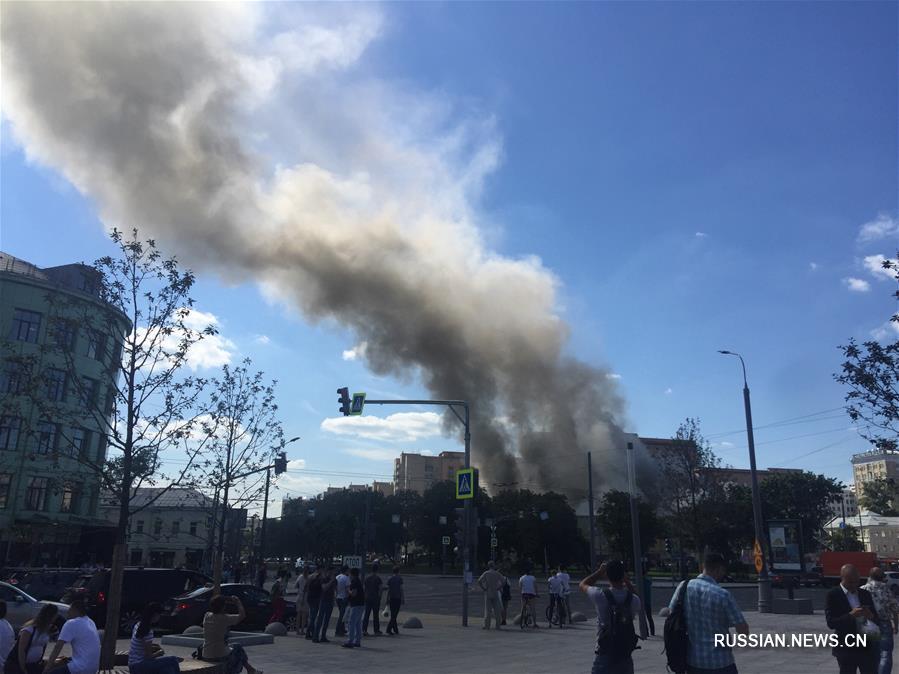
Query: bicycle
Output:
(555,612)
(528,614)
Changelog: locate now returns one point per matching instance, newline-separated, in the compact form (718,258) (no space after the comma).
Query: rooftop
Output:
(178,497)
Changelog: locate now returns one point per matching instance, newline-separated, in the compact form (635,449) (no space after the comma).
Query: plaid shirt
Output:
(710,610)
(884,600)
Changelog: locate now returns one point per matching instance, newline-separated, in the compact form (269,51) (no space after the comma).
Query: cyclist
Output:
(555,598)
(528,585)
(566,592)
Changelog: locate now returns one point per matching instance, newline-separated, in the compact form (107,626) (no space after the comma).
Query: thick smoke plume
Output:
(254,141)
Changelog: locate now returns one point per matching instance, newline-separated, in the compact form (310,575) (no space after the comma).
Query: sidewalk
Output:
(445,647)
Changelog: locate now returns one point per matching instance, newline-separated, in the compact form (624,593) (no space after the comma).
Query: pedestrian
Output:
(566,592)
(356,598)
(616,608)
(313,599)
(279,606)
(325,607)
(302,606)
(506,596)
(216,624)
(81,634)
(527,584)
(710,610)
(145,657)
(395,598)
(491,582)
(888,613)
(373,585)
(28,652)
(261,575)
(851,612)
(7,636)
(343,582)
(555,597)
(647,602)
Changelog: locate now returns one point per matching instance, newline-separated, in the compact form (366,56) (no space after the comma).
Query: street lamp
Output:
(764,580)
(268,477)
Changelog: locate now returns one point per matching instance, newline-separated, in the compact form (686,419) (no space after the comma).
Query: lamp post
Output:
(268,478)
(764,579)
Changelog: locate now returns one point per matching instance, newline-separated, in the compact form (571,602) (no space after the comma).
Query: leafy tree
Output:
(880,496)
(726,515)
(614,518)
(871,373)
(141,333)
(844,540)
(803,496)
(244,435)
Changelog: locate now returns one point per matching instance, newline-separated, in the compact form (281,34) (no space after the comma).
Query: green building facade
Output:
(55,374)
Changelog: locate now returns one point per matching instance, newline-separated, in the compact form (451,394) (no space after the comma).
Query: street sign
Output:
(842,525)
(353,561)
(757,554)
(493,542)
(357,404)
(465,483)
(445,540)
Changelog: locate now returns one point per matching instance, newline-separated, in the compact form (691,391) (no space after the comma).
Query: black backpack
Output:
(677,642)
(618,638)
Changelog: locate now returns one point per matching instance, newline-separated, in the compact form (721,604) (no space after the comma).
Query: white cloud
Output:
(209,352)
(356,352)
(296,464)
(725,444)
(874,264)
(372,454)
(613,375)
(857,285)
(669,391)
(813,266)
(889,330)
(263,339)
(881,227)
(700,235)
(400,427)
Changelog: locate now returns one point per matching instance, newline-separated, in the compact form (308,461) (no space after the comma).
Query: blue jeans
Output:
(313,613)
(341,614)
(355,635)
(167,664)
(325,609)
(886,649)
(603,664)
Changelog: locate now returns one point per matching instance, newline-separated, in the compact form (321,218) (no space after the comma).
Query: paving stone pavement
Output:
(445,647)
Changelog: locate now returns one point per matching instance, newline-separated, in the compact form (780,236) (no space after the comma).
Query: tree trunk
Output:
(113,603)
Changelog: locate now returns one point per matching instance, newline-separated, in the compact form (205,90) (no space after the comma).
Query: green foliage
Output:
(614,519)
(845,540)
(880,496)
(803,496)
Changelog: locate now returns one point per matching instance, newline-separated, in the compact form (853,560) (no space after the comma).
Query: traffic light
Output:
(344,400)
(668,545)
(281,463)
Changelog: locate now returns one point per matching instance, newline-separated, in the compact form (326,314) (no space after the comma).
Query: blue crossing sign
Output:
(357,404)
(465,483)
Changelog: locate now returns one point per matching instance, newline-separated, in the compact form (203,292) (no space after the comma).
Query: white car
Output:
(22,607)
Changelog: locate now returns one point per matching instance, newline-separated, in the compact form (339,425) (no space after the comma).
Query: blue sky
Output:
(696,175)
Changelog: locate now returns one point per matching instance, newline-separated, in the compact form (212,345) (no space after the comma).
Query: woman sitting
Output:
(145,657)
(32,642)
(215,636)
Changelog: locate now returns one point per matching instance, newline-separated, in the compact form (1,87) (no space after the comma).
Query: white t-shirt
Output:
(81,634)
(528,584)
(37,644)
(343,582)
(566,582)
(7,639)
(300,586)
(555,585)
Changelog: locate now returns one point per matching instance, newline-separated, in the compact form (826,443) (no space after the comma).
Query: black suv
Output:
(181,612)
(139,587)
(49,584)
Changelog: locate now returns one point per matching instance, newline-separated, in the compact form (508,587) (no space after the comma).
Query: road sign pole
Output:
(467,567)
(592,516)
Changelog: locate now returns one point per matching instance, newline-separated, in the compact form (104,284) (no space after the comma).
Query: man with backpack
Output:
(708,609)
(616,608)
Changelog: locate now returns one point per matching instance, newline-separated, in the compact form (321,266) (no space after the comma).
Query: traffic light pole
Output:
(465,418)
(268,479)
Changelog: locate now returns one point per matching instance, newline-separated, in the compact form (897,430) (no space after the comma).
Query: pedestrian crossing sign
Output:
(465,483)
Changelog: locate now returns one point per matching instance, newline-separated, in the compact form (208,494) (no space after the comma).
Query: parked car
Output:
(49,584)
(22,607)
(181,612)
(139,587)
(892,579)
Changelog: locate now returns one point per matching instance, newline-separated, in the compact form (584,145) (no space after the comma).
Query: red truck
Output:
(832,562)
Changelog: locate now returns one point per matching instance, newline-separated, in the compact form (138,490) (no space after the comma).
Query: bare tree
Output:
(147,413)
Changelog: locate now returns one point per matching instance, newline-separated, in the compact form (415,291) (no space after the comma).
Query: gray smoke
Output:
(252,140)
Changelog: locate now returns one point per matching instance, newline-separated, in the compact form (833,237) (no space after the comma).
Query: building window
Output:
(87,392)
(193,528)
(140,526)
(96,345)
(13,377)
(137,557)
(46,437)
(69,499)
(25,326)
(5,481)
(80,444)
(157,527)
(55,382)
(101,449)
(9,432)
(63,334)
(36,493)
(176,528)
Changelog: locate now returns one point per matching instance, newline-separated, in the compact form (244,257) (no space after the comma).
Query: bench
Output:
(189,665)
